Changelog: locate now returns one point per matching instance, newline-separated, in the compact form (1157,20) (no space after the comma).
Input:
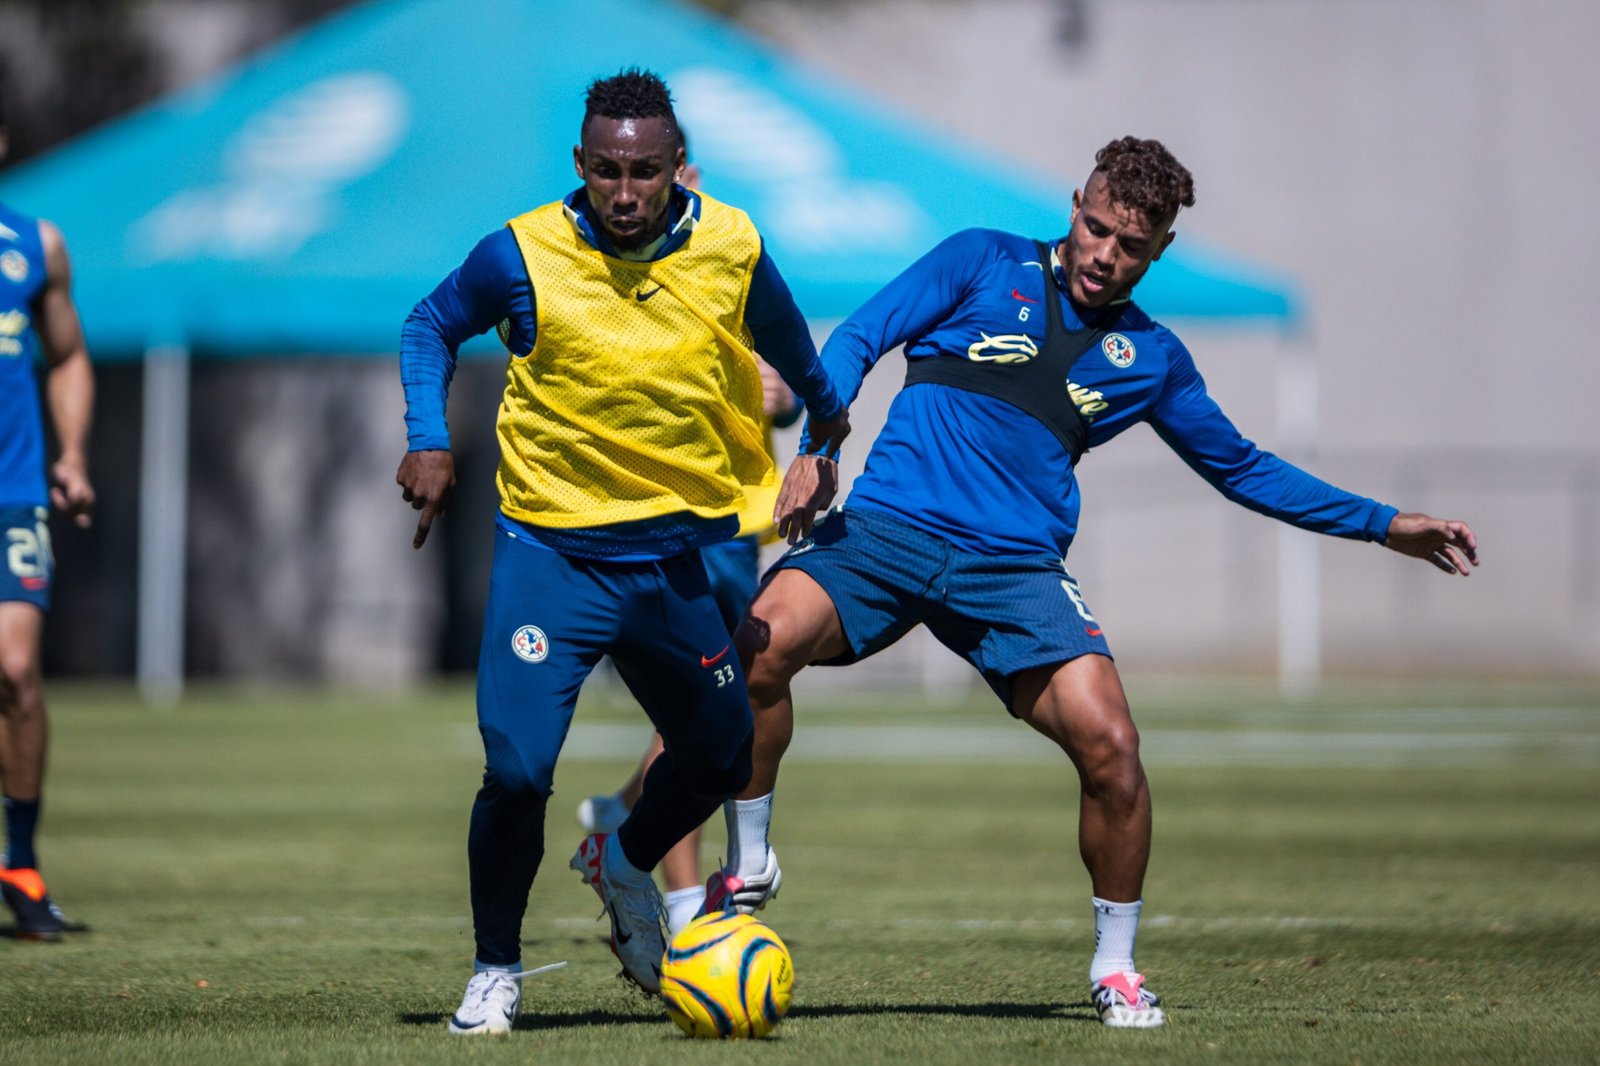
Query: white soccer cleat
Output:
(728,892)
(490,1006)
(1124,1002)
(637,937)
(602,814)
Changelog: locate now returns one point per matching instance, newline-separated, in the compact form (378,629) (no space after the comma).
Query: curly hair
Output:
(1145,176)
(631,93)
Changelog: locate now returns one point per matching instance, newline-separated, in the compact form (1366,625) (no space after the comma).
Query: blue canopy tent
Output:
(305,200)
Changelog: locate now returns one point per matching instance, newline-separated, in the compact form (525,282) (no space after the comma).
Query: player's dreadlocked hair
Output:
(1143,175)
(632,93)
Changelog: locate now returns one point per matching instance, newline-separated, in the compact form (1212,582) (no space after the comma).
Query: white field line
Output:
(935,925)
(1005,742)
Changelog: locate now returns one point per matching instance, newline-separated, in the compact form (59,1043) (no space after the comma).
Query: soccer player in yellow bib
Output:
(734,567)
(630,438)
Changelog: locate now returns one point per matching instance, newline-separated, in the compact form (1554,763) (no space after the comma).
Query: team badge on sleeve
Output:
(530,644)
(14,265)
(1118,349)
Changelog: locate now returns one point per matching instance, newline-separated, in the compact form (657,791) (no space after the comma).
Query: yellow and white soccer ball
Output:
(727,975)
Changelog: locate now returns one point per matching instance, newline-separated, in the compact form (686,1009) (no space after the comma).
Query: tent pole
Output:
(1299,580)
(163,523)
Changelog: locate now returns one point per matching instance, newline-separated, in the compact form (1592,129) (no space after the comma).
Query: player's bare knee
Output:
(770,655)
(20,678)
(1109,760)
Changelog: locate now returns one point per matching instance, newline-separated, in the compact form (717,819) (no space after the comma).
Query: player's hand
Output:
(71,492)
(425,479)
(824,435)
(808,487)
(1451,546)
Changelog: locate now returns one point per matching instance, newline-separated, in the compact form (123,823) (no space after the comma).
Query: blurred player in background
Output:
(36,314)
(630,433)
(734,567)
(1020,356)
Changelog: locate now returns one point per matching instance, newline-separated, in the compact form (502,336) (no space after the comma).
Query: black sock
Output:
(21,818)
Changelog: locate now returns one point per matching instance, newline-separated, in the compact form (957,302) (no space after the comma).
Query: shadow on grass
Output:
(10,932)
(579,1020)
(1081,1011)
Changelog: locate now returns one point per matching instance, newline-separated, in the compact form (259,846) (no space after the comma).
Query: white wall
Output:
(1423,168)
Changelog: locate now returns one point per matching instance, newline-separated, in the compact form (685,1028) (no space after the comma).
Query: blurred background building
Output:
(1406,173)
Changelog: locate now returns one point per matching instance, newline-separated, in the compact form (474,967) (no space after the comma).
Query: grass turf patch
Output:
(280,877)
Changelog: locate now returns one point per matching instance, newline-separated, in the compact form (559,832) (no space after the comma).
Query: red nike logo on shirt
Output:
(715,658)
(1015,295)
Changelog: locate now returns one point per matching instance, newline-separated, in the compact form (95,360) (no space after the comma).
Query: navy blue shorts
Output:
(29,563)
(549,620)
(1002,613)
(734,567)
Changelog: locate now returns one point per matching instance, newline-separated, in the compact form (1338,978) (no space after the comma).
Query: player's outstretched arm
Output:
(425,479)
(808,487)
(1451,546)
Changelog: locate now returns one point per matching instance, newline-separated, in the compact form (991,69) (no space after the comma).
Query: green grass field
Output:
(1378,875)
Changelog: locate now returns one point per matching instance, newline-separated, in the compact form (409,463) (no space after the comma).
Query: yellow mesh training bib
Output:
(641,397)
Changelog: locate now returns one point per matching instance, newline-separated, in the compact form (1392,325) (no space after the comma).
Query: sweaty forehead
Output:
(629,138)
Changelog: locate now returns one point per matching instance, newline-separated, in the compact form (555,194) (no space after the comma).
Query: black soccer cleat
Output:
(38,918)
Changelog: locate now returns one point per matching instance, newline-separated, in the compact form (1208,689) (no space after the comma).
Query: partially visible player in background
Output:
(1020,356)
(734,567)
(630,438)
(36,314)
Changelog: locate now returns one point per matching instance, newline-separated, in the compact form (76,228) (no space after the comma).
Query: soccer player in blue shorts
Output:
(630,438)
(1020,356)
(36,314)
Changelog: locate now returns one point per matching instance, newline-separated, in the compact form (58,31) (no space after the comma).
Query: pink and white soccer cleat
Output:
(1124,1002)
(728,892)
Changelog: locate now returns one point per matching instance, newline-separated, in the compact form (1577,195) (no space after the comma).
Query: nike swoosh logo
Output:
(642,296)
(1015,295)
(456,1021)
(715,658)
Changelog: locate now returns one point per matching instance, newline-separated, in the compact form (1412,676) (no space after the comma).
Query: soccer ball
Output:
(727,975)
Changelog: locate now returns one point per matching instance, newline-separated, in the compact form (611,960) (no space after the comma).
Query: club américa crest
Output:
(1118,349)
(14,265)
(530,644)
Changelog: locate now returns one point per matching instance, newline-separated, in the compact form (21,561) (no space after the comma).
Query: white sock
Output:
(617,868)
(480,967)
(682,905)
(748,822)
(1115,926)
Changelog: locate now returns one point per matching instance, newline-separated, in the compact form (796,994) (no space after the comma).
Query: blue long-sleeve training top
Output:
(993,480)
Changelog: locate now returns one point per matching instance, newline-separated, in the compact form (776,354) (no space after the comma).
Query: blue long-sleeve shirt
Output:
(979,472)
